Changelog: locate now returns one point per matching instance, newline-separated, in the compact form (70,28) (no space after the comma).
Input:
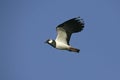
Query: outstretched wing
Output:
(66,29)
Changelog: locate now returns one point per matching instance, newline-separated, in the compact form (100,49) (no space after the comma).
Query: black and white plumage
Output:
(64,32)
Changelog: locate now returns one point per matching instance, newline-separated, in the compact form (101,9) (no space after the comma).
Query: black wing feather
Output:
(73,25)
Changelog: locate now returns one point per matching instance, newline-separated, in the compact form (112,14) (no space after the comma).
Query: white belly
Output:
(62,46)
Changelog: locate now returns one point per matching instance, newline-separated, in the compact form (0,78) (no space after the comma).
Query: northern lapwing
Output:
(64,32)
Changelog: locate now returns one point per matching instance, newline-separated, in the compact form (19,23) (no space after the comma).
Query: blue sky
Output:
(26,24)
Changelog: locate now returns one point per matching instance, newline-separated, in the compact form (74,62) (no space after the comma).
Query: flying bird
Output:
(64,32)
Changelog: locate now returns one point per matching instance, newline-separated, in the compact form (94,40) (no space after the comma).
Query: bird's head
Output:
(51,42)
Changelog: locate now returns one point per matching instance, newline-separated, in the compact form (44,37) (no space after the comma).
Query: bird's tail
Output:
(74,49)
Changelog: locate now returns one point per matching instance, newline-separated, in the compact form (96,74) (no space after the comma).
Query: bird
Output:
(64,32)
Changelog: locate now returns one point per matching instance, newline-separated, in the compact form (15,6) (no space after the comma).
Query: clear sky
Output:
(26,24)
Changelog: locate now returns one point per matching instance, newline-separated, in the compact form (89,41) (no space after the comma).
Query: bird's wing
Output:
(62,36)
(66,29)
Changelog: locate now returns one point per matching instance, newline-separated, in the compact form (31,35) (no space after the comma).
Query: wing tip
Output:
(75,24)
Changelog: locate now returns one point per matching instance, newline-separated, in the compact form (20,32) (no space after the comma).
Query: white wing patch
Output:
(61,36)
